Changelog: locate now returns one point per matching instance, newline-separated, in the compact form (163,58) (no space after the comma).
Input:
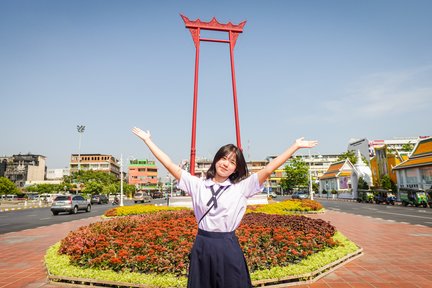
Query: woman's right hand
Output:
(141,134)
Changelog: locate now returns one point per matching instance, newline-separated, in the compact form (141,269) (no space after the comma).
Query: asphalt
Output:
(395,254)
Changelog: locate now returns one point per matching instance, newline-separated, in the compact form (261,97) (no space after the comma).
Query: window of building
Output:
(426,175)
(411,176)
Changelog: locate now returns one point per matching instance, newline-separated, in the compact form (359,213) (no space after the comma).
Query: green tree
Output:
(296,174)
(91,176)
(45,188)
(115,189)
(352,156)
(315,187)
(362,184)
(93,188)
(7,187)
(348,155)
(387,183)
(408,147)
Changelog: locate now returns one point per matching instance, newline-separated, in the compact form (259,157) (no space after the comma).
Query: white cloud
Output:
(386,95)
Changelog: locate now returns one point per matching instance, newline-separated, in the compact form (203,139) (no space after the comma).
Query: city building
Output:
(362,145)
(57,173)
(416,171)
(143,174)
(97,162)
(203,164)
(317,163)
(23,169)
(3,164)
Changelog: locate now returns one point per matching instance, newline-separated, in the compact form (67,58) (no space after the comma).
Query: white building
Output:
(57,173)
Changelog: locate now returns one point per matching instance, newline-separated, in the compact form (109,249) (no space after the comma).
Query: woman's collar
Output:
(210,182)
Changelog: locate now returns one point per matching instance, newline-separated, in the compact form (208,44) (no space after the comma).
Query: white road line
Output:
(415,216)
(33,215)
(44,218)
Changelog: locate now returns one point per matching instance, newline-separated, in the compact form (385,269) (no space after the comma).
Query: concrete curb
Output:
(15,208)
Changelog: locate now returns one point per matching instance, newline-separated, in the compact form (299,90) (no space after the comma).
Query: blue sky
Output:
(326,70)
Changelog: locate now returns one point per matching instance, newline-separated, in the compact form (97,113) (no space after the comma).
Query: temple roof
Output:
(421,155)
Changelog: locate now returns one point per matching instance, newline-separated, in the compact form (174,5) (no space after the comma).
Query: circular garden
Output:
(149,245)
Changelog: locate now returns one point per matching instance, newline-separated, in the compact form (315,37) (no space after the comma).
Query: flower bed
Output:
(138,210)
(160,242)
(287,207)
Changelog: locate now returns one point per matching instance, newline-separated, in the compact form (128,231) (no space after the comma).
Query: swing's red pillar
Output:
(233,31)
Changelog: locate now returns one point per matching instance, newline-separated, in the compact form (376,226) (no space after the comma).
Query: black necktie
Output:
(214,194)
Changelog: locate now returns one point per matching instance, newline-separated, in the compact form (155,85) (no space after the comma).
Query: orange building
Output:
(383,162)
(143,174)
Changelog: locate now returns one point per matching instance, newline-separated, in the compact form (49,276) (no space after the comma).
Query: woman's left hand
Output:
(301,143)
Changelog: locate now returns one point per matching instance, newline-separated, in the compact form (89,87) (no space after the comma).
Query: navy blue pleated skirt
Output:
(217,261)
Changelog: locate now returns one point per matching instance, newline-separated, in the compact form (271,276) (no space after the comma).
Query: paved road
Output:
(31,218)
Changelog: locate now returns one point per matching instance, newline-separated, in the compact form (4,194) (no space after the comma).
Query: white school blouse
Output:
(231,202)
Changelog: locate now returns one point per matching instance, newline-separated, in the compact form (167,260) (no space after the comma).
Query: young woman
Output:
(219,203)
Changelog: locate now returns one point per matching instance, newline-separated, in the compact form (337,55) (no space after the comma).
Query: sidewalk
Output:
(395,254)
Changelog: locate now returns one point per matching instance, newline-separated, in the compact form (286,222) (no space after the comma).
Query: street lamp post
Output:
(171,184)
(310,176)
(121,180)
(80,129)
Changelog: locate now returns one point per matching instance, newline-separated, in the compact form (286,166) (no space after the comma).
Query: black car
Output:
(157,194)
(99,199)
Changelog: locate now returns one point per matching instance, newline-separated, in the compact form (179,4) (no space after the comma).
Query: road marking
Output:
(33,215)
(421,234)
(44,218)
(415,216)
(4,224)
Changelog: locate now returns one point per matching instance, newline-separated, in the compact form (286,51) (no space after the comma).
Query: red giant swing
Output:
(233,31)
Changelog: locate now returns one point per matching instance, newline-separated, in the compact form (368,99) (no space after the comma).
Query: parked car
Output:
(99,199)
(300,195)
(157,194)
(141,197)
(70,203)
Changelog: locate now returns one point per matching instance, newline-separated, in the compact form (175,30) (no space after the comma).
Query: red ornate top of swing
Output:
(213,25)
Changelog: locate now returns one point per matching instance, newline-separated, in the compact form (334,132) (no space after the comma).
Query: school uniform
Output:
(216,259)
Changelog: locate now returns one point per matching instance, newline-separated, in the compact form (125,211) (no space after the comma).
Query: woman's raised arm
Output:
(264,173)
(172,168)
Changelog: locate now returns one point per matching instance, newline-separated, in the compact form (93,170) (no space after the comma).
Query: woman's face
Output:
(226,165)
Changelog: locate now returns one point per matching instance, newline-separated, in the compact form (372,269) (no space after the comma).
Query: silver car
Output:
(70,203)
(300,195)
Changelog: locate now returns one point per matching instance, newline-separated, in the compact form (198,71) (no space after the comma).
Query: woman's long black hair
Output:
(241,171)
